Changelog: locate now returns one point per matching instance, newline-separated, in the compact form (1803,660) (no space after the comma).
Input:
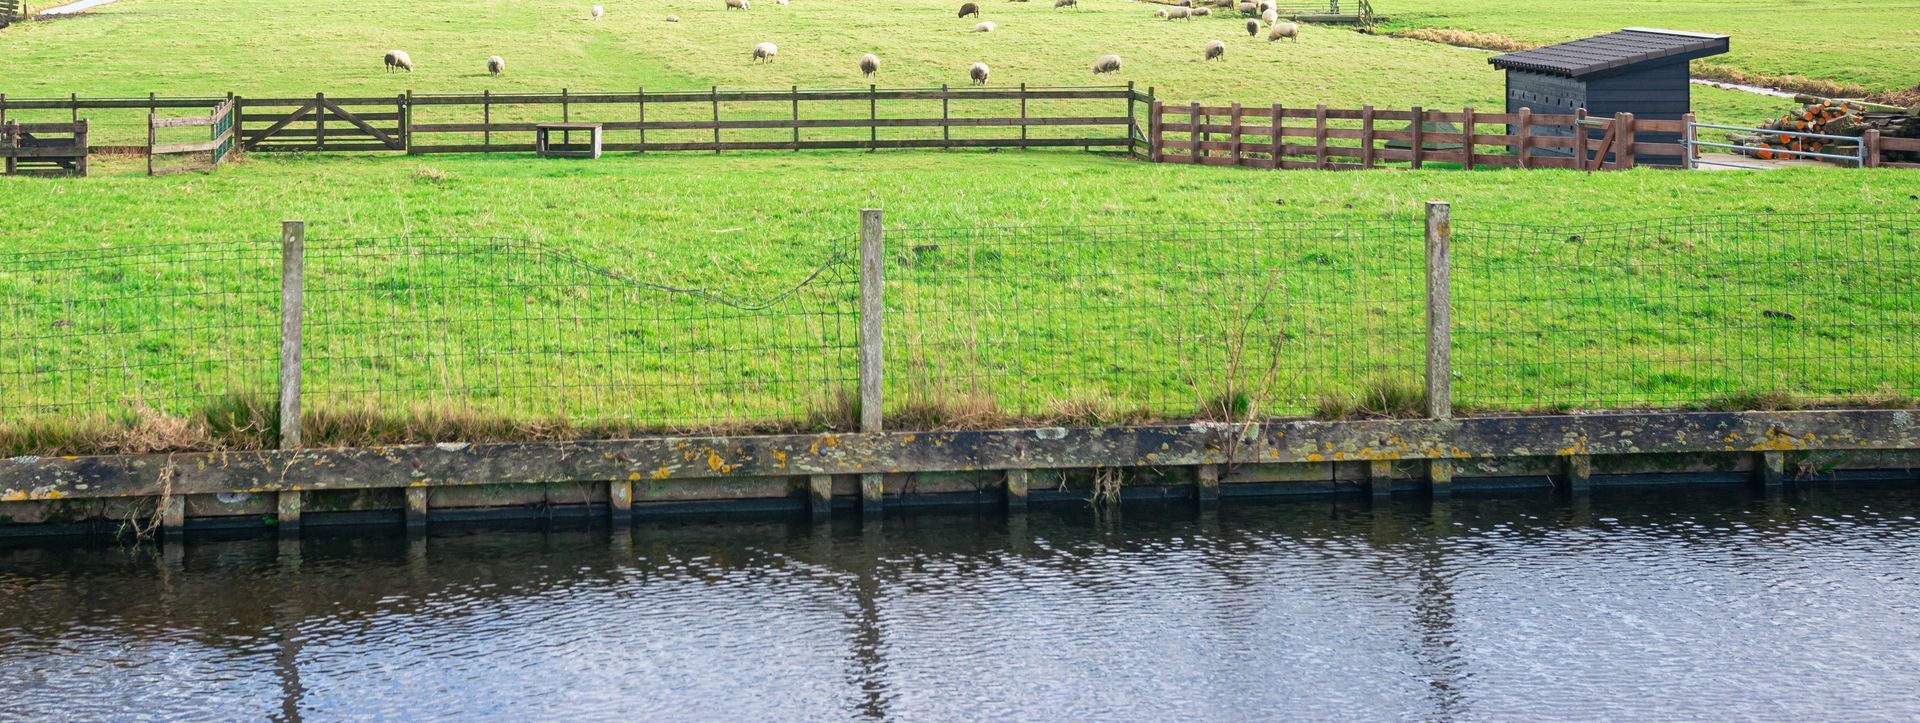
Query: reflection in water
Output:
(1641,604)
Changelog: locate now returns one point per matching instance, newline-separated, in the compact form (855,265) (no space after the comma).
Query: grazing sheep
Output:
(779,2)
(1108,63)
(1269,17)
(979,73)
(1215,49)
(1179,14)
(596,11)
(1184,3)
(765,52)
(1202,12)
(399,59)
(1262,7)
(1284,30)
(1247,9)
(1057,4)
(738,5)
(970,9)
(869,64)
(673,18)
(1253,28)
(496,64)
(1162,14)
(985,26)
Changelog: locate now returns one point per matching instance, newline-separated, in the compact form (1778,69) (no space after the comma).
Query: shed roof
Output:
(1613,52)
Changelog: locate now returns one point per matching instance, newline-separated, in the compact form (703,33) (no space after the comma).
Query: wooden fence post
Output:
(1320,136)
(1467,138)
(1023,116)
(642,102)
(795,90)
(1193,133)
(1870,148)
(1524,129)
(716,119)
(1234,153)
(320,121)
(1279,136)
(946,121)
(1623,140)
(1688,150)
(1580,140)
(1419,130)
(1155,113)
(873,117)
(403,113)
(1366,136)
(872,286)
(1439,310)
(486,118)
(1133,128)
(293,273)
(152,135)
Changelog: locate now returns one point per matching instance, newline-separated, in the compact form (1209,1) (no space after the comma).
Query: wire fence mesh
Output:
(1749,310)
(108,332)
(1087,324)
(509,329)
(1115,322)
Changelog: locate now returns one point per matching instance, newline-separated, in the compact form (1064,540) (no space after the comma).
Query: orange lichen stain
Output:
(909,438)
(417,483)
(1315,457)
(634,477)
(1274,453)
(12,496)
(1779,441)
(1151,456)
(714,462)
(780,459)
(68,456)
(53,495)
(1579,447)
(662,473)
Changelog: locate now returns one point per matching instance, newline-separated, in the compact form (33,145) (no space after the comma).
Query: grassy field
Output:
(1058,313)
(1871,43)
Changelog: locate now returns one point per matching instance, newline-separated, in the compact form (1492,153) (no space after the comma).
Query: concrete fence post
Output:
(1439,335)
(293,272)
(872,285)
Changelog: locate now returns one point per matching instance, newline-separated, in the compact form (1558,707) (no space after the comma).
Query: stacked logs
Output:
(1830,117)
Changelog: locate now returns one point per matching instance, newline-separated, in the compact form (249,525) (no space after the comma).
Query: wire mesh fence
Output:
(508,329)
(108,332)
(1157,321)
(1700,311)
(1083,324)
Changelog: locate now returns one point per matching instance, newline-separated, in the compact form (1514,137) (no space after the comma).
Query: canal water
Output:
(1638,604)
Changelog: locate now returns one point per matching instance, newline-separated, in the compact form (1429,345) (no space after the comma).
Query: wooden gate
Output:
(11,11)
(32,149)
(218,146)
(323,124)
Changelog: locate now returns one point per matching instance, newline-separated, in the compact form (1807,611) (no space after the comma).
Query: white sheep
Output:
(1215,49)
(1269,17)
(1290,31)
(1202,12)
(1075,4)
(765,52)
(596,12)
(673,18)
(979,72)
(1108,63)
(738,5)
(496,64)
(1179,14)
(399,59)
(985,26)
(869,64)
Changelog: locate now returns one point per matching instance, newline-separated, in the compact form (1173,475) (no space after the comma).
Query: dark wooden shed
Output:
(1642,71)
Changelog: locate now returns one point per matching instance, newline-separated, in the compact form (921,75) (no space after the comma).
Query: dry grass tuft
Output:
(1383,398)
(947,411)
(1788,83)
(1466,39)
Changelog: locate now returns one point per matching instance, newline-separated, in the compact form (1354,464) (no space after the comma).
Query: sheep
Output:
(496,64)
(1202,12)
(399,59)
(1262,7)
(738,5)
(1161,14)
(765,52)
(673,18)
(596,11)
(1269,17)
(1179,14)
(1057,4)
(1284,30)
(1247,9)
(979,73)
(1184,3)
(869,64)
(985,26)
(970,9)
(1215,49)
(779,2)
(1108,63)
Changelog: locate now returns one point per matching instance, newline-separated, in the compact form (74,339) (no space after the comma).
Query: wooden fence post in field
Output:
(293,272)
(716,118)
(641,101)
(1133,128)
(1193,133)
(1023,116)
(1320,136)
(486,118)
(1524,132)
(873,117)
(1439,310)
(1366,136)
(1419,142)
(1870,148)
(796,117)
(1279,136)
(872,285)
(1155,113)
(1580,158)
(946,121)
(1234,153)
(1688,151)
(320,121)
(1624,143)
(1467,138)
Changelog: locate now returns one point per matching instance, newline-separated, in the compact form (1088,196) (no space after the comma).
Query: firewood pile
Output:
(1822,116)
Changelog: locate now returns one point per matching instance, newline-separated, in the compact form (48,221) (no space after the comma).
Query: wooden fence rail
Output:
(32,149)
(219,145)
(1319,137)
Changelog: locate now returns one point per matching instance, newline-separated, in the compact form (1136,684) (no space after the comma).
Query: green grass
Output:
(1871,43)
(439,337)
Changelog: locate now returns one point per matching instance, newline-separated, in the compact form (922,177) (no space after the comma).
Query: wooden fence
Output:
(219,145)
(11,11)
(1340,139)
(794,119)
(30,149)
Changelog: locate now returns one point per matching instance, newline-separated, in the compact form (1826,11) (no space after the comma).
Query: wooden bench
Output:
(544,146)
